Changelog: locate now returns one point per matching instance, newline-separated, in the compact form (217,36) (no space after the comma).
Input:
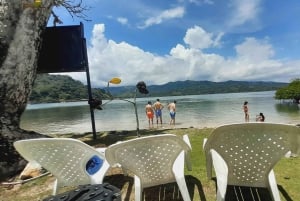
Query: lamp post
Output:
(141,87)
(114,80)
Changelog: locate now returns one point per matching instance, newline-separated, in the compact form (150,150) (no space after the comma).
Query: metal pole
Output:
(89,89)
(90,98)
(136,114)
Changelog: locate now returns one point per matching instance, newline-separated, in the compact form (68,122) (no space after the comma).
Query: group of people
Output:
(260,117)
(156,109)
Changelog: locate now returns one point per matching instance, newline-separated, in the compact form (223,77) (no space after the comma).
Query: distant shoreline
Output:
(144,131)
(124,133)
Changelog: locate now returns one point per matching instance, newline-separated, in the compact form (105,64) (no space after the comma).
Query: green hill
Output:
(58,88)
(189,87)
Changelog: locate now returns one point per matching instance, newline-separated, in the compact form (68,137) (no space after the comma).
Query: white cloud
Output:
(254,50)
(253,61)
(98,40)
(244,11)
(122,20)
(199,2)
(172,13)
(197,37)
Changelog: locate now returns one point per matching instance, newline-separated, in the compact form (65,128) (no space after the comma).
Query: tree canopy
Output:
(290,92)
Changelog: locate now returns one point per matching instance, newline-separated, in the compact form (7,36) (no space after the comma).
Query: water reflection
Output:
(287,107)
(56,115)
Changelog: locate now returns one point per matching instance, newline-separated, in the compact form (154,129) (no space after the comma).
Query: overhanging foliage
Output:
(291,92)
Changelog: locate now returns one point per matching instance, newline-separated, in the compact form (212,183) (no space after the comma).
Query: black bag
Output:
(97,192)
(141,86)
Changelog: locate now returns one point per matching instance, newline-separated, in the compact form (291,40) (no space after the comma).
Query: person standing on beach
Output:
(172,109)
(158,110)
(149,112)
(246,111)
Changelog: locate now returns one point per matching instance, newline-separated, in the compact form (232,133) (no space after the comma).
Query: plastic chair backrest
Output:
(149,158)
(65,158)
(250,150)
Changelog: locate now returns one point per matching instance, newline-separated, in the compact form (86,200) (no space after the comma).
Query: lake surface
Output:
(197,111)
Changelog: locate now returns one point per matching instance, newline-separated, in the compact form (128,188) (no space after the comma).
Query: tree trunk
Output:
(21,25)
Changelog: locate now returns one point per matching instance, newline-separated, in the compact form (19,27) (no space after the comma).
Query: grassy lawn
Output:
(287,173)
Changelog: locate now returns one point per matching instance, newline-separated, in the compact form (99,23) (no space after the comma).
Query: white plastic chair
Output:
(71,161)
(245,154)
(154,160)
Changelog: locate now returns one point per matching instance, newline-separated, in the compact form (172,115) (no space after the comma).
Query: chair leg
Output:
(138,189)
(221,171)
(220,197)
(55,187)
(183,188)
(273,186)
(178,169)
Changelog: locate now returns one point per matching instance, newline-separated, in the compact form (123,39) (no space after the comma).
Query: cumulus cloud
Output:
(254,50)
(253,61)
(172,13)
(197,37)
(244,11)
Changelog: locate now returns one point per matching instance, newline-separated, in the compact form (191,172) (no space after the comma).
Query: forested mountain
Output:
(57,88)
(200,87)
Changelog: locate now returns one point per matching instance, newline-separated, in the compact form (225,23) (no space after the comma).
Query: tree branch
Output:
(74,7)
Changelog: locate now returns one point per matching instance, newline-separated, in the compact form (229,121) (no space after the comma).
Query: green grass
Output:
(287,171)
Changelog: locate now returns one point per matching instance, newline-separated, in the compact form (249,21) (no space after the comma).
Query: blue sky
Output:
(160,41)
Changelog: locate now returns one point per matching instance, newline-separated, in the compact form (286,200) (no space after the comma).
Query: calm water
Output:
(192,111)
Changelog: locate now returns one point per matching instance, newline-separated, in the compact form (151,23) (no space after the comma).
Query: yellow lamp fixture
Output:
(115,80)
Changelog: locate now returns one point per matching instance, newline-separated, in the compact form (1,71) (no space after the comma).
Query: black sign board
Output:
(63,50)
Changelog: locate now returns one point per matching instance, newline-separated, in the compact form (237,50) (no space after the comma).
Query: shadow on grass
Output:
(284,193)
(110,137)
(166,192)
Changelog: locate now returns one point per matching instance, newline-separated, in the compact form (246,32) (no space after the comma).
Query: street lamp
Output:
(115,80)
(140,86)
